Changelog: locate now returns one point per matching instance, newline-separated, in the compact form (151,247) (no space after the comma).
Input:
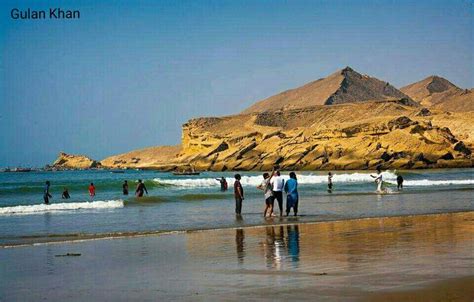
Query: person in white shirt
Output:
(278,183)
(378,180)
(266,187)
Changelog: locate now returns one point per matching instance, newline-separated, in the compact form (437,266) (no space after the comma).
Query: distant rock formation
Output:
(341,87)
(70,161)
(438,93)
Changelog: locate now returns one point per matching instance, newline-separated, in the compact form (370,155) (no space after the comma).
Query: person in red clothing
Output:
(92,190)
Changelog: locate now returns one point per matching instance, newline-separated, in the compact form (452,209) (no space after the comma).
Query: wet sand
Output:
(414,258)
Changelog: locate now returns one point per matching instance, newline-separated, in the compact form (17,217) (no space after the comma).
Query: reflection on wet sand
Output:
(374,254)
(374,259)
(280,246)
(240,244)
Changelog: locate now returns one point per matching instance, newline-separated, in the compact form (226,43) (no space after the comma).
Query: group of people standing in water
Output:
(139,192)
(273,186)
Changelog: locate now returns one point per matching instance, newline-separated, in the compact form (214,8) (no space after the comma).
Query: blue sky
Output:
(129,73)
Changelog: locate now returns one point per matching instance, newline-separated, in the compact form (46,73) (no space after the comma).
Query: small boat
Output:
(186,173)
(21,170)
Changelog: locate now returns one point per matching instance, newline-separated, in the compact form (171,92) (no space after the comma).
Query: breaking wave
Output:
(59,207)
(256,180)
(429,182)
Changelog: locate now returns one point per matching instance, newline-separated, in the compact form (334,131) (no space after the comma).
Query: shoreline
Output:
(415,257)
(130,235)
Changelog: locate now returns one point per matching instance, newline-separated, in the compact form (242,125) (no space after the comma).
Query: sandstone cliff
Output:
(348,136)
(71,161)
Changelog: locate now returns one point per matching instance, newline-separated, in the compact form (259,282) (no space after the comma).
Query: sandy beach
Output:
(419,258)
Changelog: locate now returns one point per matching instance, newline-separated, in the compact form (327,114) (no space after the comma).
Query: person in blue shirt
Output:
(291,189)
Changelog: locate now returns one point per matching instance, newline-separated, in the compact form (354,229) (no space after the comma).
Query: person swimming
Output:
(291,189)
(378,180)
(65,194)
(223,183)
(46,194)
(125,188)
(92,190)
(140,189)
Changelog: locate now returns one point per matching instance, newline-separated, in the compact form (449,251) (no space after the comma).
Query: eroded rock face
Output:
(71,161)
(344,121)
(348,136)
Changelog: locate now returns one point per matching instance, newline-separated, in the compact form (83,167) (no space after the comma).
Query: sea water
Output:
(177,203)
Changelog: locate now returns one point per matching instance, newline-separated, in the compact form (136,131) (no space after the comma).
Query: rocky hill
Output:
(345,121)
(71,161)
(343,86)
(438,93)
(347,136)
(152,157)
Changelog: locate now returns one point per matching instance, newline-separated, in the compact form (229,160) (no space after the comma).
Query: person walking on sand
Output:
(291,189)
(378,180)
(399,182)
(125,188)
(140,189)
(46,194)
(278,183)
(329,182)
(238,194)
(65,194)
(92,191)
(223,183)
(266,187)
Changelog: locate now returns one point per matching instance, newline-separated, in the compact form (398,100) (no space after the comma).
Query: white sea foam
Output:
(428,182)
(57,207)
(256,180)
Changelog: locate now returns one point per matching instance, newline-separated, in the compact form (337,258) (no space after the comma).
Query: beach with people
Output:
(238,151)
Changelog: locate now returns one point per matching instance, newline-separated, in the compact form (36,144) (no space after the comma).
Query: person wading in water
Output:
(140,189)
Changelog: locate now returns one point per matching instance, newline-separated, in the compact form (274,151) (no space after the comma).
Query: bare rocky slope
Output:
(345,121)
(343,86)
(438,93)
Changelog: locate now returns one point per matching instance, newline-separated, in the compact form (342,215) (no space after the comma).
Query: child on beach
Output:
(238,194)
(92,191)
(266,187)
